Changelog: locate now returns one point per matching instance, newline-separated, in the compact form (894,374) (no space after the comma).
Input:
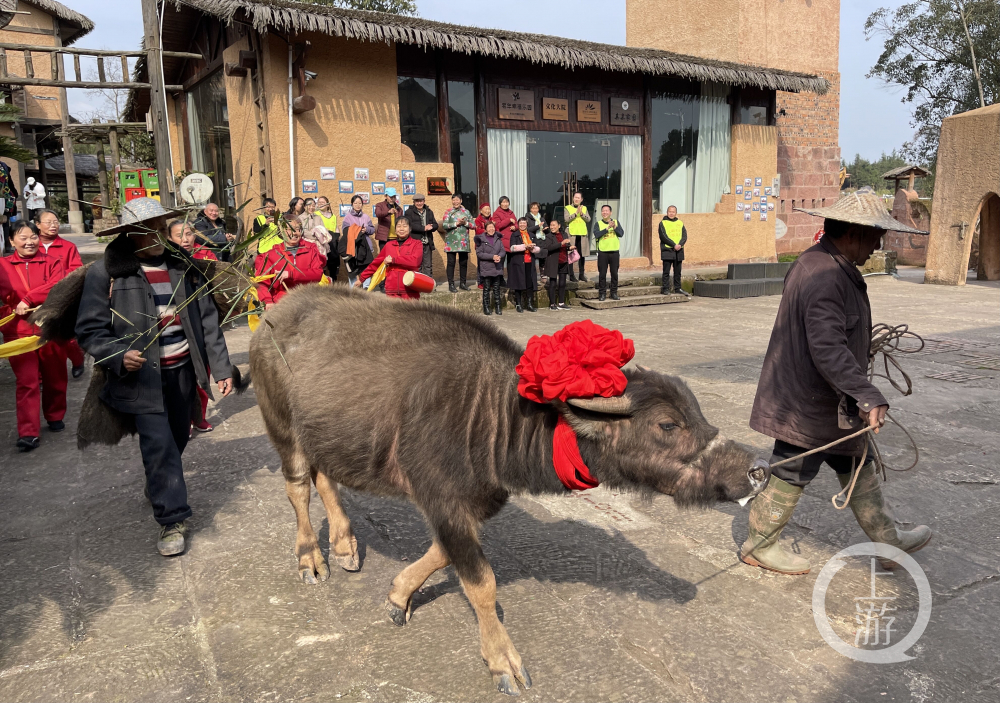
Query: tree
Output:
(10,149)
(946,53)
(869,173)
(394,7)
(133,148)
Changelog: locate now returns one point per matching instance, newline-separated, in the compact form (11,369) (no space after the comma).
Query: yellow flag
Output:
(325,281)
(253,320)
(377,277)
(22,345)
(7,319)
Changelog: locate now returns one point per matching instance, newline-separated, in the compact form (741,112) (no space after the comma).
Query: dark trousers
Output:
(666,283)
(427,265)
(162,438)
(463,265)
(558,288)
(606,260)
(578,242)
(802,471)
(332,265)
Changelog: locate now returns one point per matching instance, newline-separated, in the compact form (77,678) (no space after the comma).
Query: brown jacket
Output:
(815,373)
(383,213)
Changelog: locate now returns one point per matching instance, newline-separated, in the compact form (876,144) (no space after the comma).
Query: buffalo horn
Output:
(619,405)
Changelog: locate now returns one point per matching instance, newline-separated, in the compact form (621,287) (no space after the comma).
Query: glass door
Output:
(557,160)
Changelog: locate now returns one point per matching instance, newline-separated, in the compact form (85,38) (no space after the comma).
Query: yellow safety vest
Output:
(607,240)
(673,229)
(578,227)
(329,222)
(270,237)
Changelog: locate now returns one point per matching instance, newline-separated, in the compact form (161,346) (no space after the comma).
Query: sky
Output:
(872,118)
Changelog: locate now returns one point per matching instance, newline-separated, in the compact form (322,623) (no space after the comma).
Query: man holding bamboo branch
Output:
(147,318)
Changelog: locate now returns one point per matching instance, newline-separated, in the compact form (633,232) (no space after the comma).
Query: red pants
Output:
(75,353)
(41,381)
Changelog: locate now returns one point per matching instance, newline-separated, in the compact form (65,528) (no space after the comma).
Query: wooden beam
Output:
(647,170)
(157,102)
(115,157)
(14,80)
(100,70)
(444,128)
(76,68)
(482,154)
(29,67)
(3,63)
(73,195)
(102,177)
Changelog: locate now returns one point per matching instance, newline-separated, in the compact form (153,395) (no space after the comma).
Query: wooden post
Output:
(482,153)
(115,159)
(647,171)
(75,215)
(444,128)
(102,176)
(157,104)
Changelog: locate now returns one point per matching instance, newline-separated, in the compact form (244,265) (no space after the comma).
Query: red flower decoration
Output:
(582,360)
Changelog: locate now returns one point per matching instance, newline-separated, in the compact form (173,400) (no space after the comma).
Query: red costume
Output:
(406,256)
(41,374)
(481,223)
(66,252)
(305,266)
(203,252)
(506,222)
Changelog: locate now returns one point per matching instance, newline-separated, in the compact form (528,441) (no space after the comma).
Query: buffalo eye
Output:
(667,426)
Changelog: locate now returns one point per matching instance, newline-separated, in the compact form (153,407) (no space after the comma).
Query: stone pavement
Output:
(607,597)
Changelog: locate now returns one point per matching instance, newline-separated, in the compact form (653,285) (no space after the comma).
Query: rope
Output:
(886,340)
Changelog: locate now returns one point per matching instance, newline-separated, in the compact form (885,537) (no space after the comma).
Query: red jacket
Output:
(65,251)
(506,222)
(305,267)
(203,252)
(29,280)
(405,257)
(481,224)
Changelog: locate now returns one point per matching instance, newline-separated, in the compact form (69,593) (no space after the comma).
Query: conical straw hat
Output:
(863,207)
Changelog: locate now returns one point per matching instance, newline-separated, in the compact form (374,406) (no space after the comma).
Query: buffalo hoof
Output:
(508,686)
(312,569)
(399,616)
(348,562)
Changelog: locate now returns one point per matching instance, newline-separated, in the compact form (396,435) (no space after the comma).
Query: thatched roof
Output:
(72,24)
(904,172)
(571,54)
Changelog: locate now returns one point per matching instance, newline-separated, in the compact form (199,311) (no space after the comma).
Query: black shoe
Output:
(614,296)
(531,305)
(451,287)
(486,302)
(572,277)
(553,307)
(57,425)
(78,371)
(583,278)
(663,291)
(563,306)
(517,301)
(463,286)
(601,296)
(26,444)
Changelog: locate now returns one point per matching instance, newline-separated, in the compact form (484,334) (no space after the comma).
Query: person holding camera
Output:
(422,228)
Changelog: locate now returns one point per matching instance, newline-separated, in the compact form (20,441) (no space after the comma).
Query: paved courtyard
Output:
(607,597)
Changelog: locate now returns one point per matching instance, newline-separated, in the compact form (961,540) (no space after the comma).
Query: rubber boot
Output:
(530,305)
(769,513)
(497,300)
(876,518)
(517,301)
(486,300)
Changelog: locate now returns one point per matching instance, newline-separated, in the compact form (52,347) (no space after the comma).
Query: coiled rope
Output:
(886,340)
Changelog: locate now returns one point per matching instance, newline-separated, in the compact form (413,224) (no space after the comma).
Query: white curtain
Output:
(507,151)
(630,204)
(714,137)
(194,135)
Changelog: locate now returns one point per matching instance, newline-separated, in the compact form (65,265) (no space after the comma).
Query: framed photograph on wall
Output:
(344,209)
(409,176)
(756,207)
(763,215)
(739,207)
(392,175)
(770,207)
(747,195)
(310,186)
(327,173)
(746,215)
(361,174)
(409,188)
(756,192)
(758,181)
(345,186)
(747,183)
(763,200)
(739,190)
(767,191)
(366,197)
(378,188)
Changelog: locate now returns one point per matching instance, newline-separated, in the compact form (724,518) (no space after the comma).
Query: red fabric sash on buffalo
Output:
(569,465)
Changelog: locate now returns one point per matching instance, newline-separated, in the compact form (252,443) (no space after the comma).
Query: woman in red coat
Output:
(295,262)
(505,220)
(405,253)
(26,277)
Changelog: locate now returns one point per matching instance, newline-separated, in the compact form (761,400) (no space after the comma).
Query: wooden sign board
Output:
(555,109)
(624,111)
(515,104)
(588,111)
(438,185)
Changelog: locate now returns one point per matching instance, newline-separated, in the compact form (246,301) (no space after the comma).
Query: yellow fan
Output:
(20,346)
(377,277)
(7,319)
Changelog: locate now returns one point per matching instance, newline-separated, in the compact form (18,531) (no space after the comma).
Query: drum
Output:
(418,282)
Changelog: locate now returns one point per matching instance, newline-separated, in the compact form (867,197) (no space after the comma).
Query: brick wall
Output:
(808,160)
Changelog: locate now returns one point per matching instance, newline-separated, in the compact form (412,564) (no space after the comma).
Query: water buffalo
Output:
(419,401)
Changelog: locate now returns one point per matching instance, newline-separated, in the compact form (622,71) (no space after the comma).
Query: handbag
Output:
(573,256)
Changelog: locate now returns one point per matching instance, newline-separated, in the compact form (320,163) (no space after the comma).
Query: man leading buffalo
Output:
(814,387)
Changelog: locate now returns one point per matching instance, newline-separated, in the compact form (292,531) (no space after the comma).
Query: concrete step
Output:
(634,301)
(623,291)
(739,288)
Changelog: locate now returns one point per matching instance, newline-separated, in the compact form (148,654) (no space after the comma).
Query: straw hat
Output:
(863,207)
(140,211)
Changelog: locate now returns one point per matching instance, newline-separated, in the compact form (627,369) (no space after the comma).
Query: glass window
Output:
(561,162)
(418,117)
(462,127)
(675,149)
(208,134)
(753,114)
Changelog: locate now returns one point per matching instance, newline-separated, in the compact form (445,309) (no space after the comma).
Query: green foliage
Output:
(929,48)
(787,258)
(10,149)
(395,7)
(869,173)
